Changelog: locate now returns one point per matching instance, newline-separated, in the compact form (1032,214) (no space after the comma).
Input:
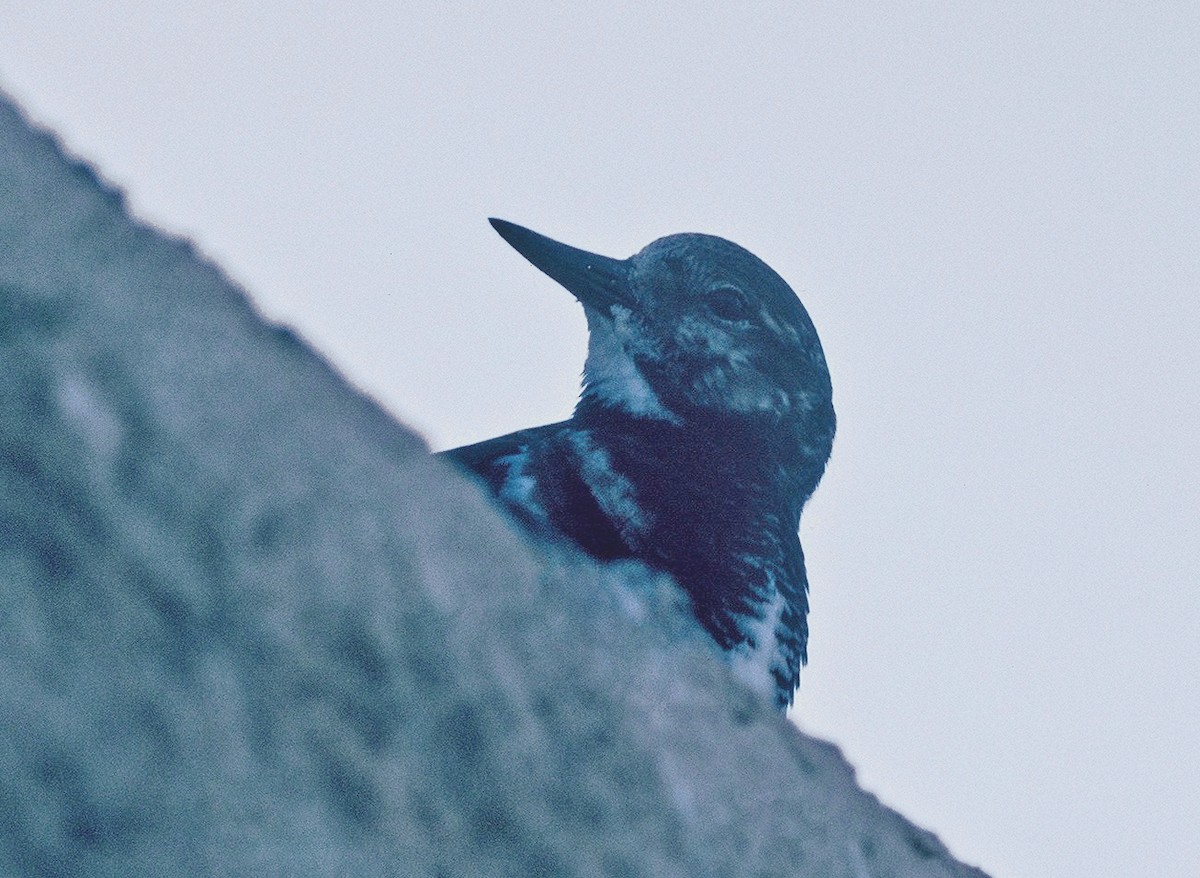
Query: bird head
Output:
(691,329)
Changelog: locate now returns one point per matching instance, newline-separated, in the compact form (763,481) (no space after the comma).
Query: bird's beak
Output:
(596,281)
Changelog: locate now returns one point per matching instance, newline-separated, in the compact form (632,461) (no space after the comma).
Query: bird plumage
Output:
(704,425)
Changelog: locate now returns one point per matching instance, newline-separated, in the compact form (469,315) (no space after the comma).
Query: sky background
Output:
(991,211)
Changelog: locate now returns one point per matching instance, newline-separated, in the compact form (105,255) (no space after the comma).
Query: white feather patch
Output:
(753,659)
(613,492)
(518,487)
(611,373)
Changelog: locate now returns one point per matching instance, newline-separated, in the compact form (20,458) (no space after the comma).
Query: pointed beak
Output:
(596,281)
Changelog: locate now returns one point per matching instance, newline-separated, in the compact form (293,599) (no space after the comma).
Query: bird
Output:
(704,423)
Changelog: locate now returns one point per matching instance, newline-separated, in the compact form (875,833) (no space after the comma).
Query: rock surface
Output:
(250,627)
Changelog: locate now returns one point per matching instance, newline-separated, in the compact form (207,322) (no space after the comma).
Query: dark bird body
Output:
(704,425)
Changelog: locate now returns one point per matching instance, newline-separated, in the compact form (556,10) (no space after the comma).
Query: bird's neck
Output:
(752,468)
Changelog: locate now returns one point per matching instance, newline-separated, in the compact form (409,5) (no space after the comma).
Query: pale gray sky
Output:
(991,212)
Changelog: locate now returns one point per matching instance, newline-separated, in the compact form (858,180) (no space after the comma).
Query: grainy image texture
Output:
(250,627)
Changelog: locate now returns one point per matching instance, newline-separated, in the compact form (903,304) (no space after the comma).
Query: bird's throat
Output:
(611,377)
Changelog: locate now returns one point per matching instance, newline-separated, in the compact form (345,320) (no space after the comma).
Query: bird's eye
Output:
(728,303)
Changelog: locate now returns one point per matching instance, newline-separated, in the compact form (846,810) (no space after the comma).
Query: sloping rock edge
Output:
(249,627)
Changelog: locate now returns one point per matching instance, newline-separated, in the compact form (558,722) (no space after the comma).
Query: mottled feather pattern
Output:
(704,425)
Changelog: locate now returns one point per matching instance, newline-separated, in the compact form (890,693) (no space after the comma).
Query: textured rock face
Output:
(250,627)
